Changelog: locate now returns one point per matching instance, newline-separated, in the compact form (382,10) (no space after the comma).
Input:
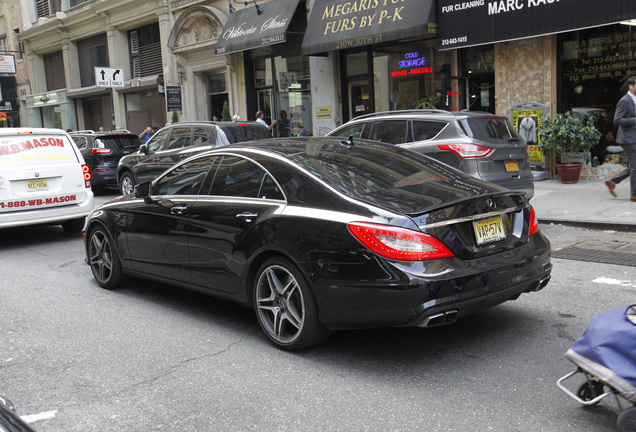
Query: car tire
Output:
(626,421)
(127,183)
(104,260)
(285,307)
(73,225)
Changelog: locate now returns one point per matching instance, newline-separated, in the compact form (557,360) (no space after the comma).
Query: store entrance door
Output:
(360,102)
(265,102)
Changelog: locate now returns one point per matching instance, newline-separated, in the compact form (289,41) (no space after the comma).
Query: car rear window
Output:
(491,129)
(117,142)
(237,133)
(365,172)
(29,150)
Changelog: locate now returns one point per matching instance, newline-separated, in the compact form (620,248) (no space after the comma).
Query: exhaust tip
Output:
(440,319)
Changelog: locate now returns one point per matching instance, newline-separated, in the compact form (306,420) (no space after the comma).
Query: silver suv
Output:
(481,144)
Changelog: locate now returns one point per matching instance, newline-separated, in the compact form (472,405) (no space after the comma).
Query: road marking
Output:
(611,281)
(42,416)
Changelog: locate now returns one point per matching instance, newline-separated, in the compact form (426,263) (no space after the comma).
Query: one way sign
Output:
(109,77)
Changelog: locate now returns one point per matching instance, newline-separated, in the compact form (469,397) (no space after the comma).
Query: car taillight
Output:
(466,150)
(87,175)
(101,151)
(398,243)
(534,223)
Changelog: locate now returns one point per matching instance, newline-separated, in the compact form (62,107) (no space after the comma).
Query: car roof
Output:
(435,113)
(31,131)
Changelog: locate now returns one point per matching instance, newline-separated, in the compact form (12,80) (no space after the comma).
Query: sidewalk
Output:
(587,203)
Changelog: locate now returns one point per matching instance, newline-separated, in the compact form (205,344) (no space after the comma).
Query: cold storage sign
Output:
(479,22)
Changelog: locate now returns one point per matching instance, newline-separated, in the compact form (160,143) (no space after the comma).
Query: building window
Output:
(46,8)
(54,71)
(95,51)
(145,51)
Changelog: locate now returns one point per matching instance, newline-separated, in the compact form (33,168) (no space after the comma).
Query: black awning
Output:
(476,22)
(335,25)
(246,29)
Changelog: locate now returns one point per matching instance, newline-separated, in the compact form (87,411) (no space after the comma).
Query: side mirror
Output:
(144,148)
(143,190)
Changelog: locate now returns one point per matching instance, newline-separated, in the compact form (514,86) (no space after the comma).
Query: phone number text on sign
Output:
(37,202)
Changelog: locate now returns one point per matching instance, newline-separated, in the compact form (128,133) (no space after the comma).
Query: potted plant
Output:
(566,137)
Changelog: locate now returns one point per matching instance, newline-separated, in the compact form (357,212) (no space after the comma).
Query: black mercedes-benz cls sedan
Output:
(319,234)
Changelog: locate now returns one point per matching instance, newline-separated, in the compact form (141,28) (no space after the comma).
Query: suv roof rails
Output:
(82,131)
(396,112)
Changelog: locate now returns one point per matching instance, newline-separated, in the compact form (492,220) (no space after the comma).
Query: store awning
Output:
(246,29)
(335,25)
(478,23)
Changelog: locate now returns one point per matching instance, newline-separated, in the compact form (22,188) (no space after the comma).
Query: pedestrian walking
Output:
(625,118)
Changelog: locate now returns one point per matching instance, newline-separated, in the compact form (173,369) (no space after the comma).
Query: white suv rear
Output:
(43,179)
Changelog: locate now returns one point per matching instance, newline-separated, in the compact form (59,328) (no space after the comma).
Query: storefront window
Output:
(594,67)
(404,76)
(263,72)
(283,93)
(478,70)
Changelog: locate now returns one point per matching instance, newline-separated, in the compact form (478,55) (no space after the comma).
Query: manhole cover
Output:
(605,252)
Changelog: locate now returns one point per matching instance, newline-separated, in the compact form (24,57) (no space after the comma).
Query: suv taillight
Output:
(534,223)
(466,150)
(397,243)
(87,176)
(101,151)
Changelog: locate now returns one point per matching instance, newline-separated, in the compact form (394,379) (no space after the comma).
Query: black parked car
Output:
(481,144)
(319,234)
(179,141)
(102,151)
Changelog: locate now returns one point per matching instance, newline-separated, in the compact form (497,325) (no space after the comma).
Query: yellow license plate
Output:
(35,185)
(512,166)
(489,230)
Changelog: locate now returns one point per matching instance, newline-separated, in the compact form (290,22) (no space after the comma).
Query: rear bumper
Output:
(48,215)
(434,293)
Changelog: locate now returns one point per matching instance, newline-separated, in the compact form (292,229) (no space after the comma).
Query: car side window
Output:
(180,137)
(158,140)
(185,179)
(354,130)
(238,177)
(425,129)
(80,141)
(201,136)
(389,131)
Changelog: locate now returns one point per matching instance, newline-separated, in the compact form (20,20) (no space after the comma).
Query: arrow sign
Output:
(103,74)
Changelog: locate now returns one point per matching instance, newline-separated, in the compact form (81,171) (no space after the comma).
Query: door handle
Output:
(247,216)
(178,210)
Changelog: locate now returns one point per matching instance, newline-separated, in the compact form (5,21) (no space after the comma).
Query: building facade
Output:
(311,65)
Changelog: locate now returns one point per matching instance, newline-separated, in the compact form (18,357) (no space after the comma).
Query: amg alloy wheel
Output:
(285,306)
(104,260)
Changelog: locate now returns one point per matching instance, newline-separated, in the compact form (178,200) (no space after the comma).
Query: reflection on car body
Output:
(317,235)
(483,145)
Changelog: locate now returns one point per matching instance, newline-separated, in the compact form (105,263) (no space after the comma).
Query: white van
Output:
(43,179)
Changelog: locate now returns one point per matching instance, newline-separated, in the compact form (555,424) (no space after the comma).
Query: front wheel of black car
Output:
(104,260)
(126,183)
(285,306)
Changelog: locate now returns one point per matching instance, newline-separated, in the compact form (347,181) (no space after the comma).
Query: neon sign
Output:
(409,66)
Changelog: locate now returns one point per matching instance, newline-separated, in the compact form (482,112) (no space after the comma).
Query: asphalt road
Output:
(75,357)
